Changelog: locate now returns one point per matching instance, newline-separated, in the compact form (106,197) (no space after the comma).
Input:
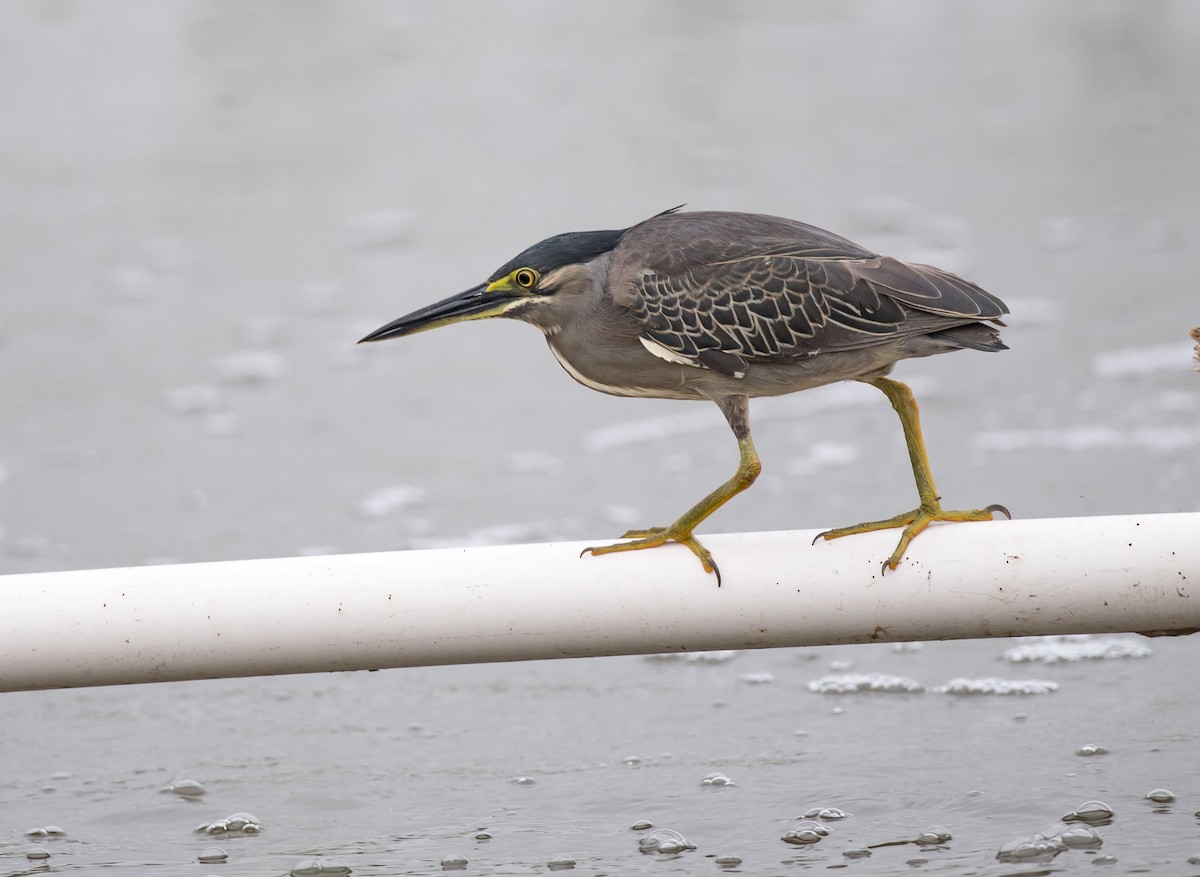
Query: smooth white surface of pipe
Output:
(525,602)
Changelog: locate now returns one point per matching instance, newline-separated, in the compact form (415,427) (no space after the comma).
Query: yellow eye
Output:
(525,278)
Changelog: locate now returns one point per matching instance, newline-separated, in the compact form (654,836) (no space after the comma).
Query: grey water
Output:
(203,205)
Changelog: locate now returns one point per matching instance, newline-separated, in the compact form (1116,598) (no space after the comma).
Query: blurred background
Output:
(203,205)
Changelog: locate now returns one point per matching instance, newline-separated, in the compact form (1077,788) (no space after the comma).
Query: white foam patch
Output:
(822,456)
(858,683)
(385,500)
(1069,649)
(1145,360)
(990,685)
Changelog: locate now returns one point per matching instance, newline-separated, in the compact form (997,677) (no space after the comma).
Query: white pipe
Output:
(450,606)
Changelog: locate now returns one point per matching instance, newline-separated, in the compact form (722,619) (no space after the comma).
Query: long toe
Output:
(913,523)
(656,536)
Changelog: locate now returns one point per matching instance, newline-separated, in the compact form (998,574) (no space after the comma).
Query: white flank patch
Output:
(667,353)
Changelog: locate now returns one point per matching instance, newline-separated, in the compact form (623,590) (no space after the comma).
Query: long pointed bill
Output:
(476,303)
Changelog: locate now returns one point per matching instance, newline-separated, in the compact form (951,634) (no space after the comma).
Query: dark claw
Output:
(716,572)
(996,507)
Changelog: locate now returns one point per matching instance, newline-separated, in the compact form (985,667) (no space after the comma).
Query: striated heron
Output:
(726,306)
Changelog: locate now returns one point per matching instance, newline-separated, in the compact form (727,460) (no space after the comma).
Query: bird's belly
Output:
(638,373)
(646,378)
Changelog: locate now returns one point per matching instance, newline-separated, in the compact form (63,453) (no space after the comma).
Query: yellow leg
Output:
(930,509)
(681,531)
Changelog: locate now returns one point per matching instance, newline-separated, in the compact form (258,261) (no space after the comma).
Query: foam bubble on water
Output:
(1091,812)
(384,500)
(664,840)
(1081,837)
(46,831)
(727,861)
(1137,361)
(236,823)
(1090,749)
(1160,796)
(858,683)
(1030,849)
(935,834)
(212,855)
(186,788)
(38,854)
(805,832)
(1075,647)
(454,862)
(991,685)
(320,866)
(826,813)
(642,825)
(522,781)
(716,656)
(560,863)
(716,778)
(757,678)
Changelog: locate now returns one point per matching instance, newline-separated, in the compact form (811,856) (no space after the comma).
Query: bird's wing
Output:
(789,301)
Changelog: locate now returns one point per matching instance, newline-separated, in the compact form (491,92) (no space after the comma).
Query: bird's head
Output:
(538,285)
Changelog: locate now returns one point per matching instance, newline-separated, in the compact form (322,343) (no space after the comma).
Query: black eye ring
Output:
(525,278)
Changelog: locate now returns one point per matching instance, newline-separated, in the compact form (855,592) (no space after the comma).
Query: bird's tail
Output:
(973,336)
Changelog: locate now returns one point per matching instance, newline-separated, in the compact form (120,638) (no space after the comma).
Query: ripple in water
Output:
(664,840)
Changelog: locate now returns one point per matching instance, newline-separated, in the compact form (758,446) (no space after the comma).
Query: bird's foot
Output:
(913,523)
(655,536)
